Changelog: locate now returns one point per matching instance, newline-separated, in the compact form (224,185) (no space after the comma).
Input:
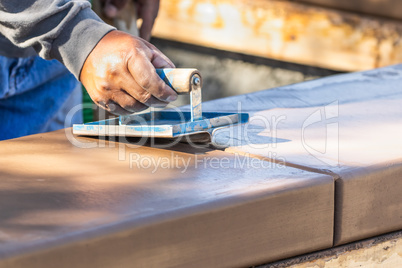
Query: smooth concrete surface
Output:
(107,204)
(368,202)
(347,125)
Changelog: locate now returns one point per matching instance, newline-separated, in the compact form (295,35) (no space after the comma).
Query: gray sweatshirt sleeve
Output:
(57,29)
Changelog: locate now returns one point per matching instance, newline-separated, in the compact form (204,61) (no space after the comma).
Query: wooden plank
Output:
(284,30)
(107,204)
(385,8)
(349,125)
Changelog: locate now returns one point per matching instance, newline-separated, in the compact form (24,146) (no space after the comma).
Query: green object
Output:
(87,111)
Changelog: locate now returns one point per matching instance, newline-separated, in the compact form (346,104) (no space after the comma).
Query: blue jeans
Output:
(35,96)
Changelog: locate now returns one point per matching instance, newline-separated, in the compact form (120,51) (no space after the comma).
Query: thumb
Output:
(146,27)
(158,59)
(148,11)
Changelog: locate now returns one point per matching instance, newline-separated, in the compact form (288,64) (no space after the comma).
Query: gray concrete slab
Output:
(107,204)
(368,202)
(349,125)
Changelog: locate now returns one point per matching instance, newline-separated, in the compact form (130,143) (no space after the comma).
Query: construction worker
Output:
(46,46)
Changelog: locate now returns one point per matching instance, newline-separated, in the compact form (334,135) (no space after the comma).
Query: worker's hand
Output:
(111,8)
(147,10)
(119,74)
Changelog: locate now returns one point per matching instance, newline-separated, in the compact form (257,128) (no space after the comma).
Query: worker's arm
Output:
(119,69)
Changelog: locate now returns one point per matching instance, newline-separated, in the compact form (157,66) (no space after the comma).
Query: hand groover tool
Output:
(169,123)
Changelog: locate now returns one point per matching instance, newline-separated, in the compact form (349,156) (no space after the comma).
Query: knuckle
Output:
(128,105)
(102,87)
(145,97)
(160,92)
(136,51)
(98,100)
(102,104)
(146,83)
(113,73)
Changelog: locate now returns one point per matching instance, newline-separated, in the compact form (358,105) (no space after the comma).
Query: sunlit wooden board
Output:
(383,8)
(284,30)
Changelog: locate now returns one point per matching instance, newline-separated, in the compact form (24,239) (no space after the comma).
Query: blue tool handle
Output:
(180,79)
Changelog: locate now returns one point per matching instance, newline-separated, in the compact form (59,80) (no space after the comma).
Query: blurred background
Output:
(242,46)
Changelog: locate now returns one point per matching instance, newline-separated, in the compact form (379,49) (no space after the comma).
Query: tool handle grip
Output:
(180,79)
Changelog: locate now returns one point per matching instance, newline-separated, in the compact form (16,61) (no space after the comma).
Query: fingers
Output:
(148,11)
(109,9)
(145,76)
(112,107)
(115,108)
(121,104)
(146,28)
(127,103)
(136,93)
(158,59)
(125,97)
(112,8)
